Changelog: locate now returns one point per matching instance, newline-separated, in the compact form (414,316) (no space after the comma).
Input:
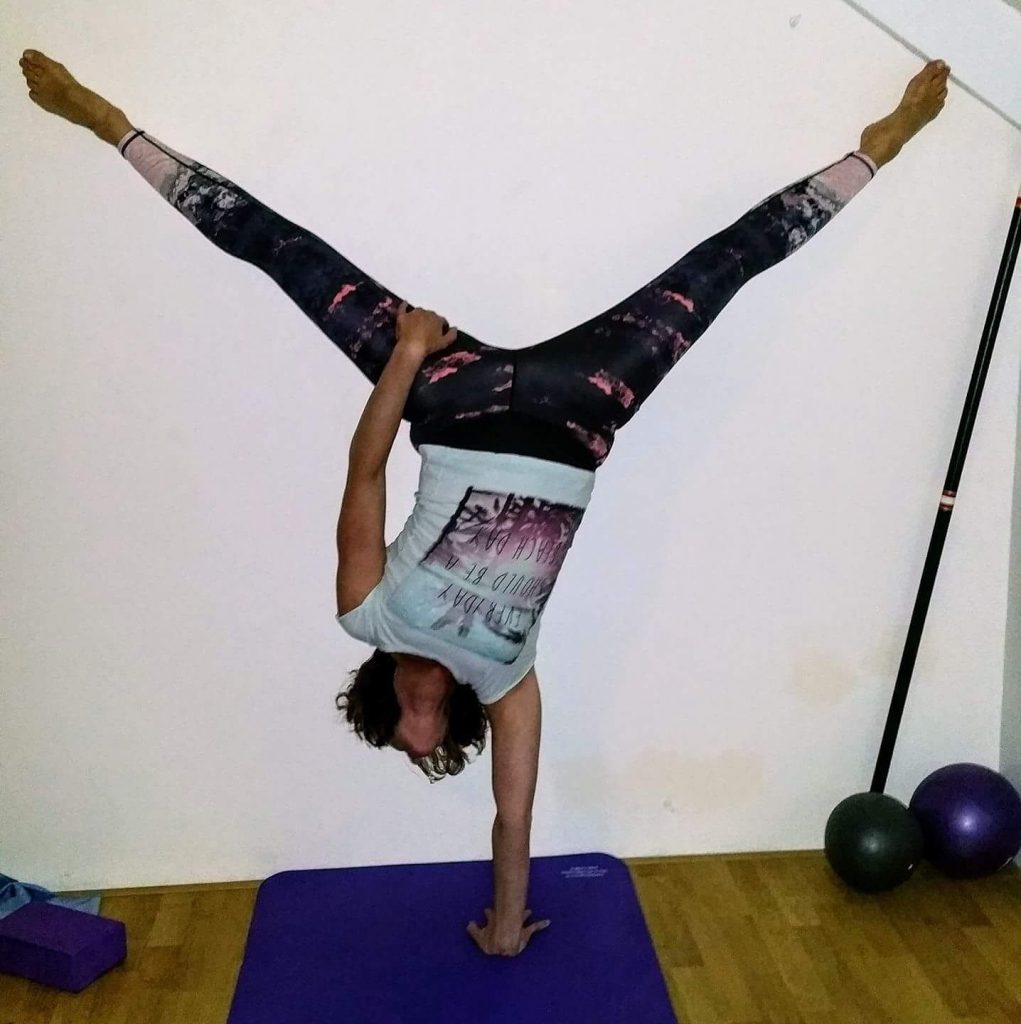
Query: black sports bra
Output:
(510,432)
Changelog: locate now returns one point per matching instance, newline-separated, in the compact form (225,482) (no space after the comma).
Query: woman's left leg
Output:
(594,377)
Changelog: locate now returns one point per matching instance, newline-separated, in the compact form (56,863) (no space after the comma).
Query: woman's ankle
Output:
(112,125)
(882,141)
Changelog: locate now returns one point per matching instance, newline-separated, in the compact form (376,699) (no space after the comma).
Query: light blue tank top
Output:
(468,578)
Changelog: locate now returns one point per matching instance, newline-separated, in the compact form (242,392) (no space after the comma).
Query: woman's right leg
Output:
(354,311)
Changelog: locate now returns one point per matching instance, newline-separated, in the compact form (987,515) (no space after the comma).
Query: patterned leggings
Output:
(589,380)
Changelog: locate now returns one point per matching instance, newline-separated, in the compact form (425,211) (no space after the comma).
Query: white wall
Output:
(981,39)
(984,39)
(718,656)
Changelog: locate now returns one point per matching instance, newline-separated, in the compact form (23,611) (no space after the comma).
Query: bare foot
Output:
(51,86)
(923,99)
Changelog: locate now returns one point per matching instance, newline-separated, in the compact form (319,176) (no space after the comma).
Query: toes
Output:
(37,60)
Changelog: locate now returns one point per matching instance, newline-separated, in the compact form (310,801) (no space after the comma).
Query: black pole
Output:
(946,502)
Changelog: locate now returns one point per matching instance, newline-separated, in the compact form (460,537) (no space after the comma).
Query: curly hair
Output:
(369,704)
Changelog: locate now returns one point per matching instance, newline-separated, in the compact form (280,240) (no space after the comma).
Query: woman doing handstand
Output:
(510,441)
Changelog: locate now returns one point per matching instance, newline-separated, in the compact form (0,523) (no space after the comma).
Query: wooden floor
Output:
(743,939)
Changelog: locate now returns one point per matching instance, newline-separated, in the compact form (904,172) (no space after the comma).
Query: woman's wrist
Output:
(412,351)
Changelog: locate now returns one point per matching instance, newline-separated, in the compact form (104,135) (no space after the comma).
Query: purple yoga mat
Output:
(388,945)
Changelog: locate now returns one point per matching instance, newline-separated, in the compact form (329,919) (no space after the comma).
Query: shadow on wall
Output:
(1010,734)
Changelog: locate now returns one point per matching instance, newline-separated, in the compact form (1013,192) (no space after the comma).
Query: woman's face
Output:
(423,688)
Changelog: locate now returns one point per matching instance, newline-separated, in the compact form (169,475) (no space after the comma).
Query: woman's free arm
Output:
(361,548)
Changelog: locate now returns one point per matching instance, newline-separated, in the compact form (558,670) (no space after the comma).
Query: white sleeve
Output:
(363,621)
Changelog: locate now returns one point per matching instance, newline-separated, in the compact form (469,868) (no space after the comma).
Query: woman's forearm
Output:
(374,436)
(511,844)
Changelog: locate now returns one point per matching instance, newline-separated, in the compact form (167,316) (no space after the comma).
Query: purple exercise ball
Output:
(971,818)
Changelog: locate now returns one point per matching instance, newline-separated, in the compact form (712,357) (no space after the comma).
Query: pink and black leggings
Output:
(562,398)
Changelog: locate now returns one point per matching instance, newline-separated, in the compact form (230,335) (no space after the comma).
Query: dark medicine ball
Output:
(873,842)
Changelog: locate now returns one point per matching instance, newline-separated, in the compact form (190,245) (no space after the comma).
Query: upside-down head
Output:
(415,705)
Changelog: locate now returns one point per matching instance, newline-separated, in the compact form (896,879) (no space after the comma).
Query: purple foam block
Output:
(388,945)
(60,947)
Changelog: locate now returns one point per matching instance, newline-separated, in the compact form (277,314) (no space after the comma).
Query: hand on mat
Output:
(423,330)
(498,940)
